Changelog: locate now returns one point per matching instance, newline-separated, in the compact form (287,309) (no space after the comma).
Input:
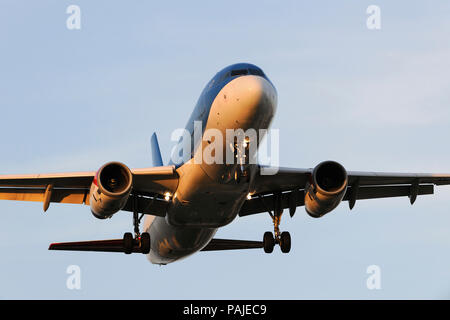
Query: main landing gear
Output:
(142,241)
(283,239)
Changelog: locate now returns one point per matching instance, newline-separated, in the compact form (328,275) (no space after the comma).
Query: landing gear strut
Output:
(283,239)
(241,149)
(142,241)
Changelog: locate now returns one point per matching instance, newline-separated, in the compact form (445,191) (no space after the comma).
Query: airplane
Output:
(185,203)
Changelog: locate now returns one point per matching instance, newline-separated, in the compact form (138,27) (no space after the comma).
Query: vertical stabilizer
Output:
(156,153)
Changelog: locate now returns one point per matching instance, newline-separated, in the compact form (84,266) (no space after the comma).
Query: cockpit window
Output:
(224,76)
(256,72)
(238,72)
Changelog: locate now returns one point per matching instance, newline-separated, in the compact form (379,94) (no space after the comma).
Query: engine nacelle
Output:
(327,188)
(110,189)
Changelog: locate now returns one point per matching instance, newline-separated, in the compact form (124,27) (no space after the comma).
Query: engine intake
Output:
(327,188)
(110,189)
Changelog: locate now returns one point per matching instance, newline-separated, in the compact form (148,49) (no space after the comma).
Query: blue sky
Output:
(372,100)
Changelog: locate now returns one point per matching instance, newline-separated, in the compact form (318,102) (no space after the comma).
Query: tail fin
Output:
(156,153)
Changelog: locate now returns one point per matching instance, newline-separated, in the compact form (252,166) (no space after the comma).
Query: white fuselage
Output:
(208,196)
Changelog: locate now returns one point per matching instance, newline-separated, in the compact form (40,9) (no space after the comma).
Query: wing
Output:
(149,185)
(60,188)
(361,186)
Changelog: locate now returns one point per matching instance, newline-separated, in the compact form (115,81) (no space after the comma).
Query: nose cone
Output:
(251,96)
(249,101)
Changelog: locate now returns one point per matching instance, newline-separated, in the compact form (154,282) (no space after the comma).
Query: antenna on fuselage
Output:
(156,152)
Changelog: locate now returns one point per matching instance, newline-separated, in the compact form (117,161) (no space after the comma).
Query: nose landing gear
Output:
(241,151)
(283,239)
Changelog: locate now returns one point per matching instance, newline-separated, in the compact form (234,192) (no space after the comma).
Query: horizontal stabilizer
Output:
(115,245)
(224,244)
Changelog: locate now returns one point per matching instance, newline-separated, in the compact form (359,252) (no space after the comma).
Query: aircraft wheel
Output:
(285,242)
(145,242)
(268,242)
(128,243)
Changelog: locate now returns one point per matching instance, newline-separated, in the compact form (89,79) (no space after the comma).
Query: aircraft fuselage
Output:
(210,194)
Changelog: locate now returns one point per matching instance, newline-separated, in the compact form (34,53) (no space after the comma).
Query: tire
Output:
(128,243)
(268,242)
(285,244)
(145,243)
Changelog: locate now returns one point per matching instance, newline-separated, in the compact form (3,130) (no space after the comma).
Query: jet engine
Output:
(110,189)
(326,189)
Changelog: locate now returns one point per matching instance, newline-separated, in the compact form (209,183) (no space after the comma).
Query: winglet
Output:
(156,153)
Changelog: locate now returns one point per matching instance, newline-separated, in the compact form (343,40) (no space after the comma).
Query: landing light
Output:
(249,196)
(246,142)
(167,196)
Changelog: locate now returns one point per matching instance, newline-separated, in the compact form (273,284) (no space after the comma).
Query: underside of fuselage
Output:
(208,196)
